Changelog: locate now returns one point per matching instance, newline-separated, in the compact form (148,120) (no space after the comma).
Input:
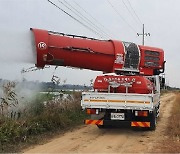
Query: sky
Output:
(120,19)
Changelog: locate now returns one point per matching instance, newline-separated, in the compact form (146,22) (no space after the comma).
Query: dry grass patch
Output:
(171,142)
(173,128)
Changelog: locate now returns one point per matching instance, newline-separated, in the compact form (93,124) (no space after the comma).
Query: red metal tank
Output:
(101,55)
(123,84)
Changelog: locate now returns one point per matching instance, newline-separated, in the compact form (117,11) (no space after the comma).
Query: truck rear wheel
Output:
(153,121)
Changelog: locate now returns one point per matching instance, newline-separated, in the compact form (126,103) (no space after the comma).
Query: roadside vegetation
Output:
(173,129)
(164,91)
(174,122)
(171,142)
(43,115)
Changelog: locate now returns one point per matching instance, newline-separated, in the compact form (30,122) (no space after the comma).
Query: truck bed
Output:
(119,101)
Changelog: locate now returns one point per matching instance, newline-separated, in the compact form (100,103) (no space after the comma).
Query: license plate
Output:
(117,116)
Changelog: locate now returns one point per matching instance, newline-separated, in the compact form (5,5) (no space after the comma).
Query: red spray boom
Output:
(101,55)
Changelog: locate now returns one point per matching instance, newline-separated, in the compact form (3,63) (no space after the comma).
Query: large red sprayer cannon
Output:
(130,95)
(102,55)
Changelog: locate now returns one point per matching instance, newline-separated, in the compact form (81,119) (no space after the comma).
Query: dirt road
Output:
(90,139)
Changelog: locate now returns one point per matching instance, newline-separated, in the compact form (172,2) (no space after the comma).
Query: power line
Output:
(121,16)
(80,17)
(75,18)
(134,11)
(92,16)
(135,19)
(84,18)
(97,27)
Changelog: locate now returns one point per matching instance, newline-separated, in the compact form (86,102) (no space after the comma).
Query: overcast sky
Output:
(161,19)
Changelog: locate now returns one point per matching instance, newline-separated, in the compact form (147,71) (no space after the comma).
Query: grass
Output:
(174,122)
(173,129)
(40,120)
(165,91)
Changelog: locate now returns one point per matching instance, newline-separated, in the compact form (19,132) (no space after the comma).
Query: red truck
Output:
(128,91)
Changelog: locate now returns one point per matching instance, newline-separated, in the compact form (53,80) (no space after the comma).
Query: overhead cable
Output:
(134,12)
(121,16)
(84,18)
(89,28)
(97,21)
(135,18)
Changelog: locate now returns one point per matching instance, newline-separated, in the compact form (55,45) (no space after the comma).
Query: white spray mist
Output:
(17,47)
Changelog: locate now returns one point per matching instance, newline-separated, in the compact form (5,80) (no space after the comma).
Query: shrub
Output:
(40,118)
(9,97)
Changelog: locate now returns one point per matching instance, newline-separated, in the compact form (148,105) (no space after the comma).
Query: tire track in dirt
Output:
(90,139)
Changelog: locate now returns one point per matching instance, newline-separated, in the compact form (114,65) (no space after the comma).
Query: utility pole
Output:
(143,34)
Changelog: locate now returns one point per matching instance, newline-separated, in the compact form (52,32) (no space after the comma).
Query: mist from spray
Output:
(17,47)
(24,91)
(17,50)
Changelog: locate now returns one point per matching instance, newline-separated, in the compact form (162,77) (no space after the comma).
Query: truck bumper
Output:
(118,123)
